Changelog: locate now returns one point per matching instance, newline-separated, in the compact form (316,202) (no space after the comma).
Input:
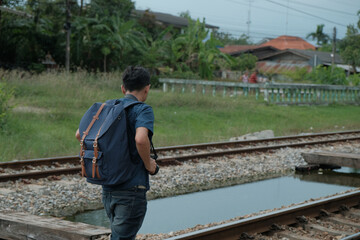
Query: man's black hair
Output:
(135,78)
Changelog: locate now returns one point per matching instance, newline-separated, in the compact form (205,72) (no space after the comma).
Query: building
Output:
(291,59)
(287,53)
(258,51)
(269,47)
(289,42)
(165,19)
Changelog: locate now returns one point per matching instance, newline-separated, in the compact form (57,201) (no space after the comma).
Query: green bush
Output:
(154,81)
(299,75)
(354,79)
(181,75)
(244,62)
(6,93)
(328,75)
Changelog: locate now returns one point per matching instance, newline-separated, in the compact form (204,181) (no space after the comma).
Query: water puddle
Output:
(180,212)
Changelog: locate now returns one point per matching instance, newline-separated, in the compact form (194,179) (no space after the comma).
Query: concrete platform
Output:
(332,158)
(16,225)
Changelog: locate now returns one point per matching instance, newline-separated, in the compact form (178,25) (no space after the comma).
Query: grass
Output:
(48,109)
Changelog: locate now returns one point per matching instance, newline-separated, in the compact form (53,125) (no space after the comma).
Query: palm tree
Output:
(109,37)
(194,51)
(319,35)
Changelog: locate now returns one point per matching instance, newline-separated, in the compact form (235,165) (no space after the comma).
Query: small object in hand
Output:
(156,170)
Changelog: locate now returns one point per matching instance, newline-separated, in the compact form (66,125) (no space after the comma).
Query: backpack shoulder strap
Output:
(132,103)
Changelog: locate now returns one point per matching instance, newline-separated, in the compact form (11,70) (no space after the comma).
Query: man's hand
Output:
(77,135)
(151,166)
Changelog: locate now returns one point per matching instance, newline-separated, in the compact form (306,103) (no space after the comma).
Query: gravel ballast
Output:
(68,195)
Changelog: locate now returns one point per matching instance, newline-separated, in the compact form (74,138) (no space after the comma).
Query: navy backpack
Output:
(104,154)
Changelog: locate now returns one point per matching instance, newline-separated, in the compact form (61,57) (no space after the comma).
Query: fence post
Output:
(288,95)
(165,87)
(266,93)
(278,95)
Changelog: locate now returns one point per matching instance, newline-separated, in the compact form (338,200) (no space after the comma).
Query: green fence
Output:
(271,92)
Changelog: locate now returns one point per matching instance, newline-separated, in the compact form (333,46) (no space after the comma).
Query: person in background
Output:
(245,77)
(253,77)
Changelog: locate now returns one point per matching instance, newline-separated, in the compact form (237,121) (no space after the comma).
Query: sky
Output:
(268,18)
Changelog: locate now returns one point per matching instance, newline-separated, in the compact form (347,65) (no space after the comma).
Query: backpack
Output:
(104,146)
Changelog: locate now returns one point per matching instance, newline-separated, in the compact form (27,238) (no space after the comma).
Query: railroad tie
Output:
(343,221)
(319,228)
(292,236)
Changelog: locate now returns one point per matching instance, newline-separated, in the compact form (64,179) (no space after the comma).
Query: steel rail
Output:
(248,142)
(40,174)
(169,160)
(165,160)
(39,162)
(264,223)
(162,161)
(355,236)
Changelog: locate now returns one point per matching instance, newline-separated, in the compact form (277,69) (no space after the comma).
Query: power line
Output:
(309,14)
(348,3)
(256,6)
(322,8)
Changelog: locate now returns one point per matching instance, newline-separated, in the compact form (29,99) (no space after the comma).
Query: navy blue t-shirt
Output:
(139,115)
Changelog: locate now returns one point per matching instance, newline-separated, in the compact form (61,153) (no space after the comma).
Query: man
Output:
(126,204)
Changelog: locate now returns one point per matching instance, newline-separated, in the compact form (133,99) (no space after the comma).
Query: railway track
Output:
(331,218)
(40,168)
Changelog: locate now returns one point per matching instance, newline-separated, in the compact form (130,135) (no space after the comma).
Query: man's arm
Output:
(143,147)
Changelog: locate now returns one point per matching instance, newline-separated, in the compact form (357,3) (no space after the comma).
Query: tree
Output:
(350,47)
(228,39)
(244,62)
(319,35)
(108,8)
(196,50)
(25,41)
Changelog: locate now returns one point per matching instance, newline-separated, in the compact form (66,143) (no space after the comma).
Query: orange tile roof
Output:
(289,42)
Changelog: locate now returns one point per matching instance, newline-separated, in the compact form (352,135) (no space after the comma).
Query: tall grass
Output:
(48,108)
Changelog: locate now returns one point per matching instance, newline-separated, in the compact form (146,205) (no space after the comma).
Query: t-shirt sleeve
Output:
(145,119)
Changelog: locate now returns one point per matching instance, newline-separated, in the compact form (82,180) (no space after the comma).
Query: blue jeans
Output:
(126,210)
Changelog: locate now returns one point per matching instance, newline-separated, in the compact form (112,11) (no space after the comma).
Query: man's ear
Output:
(147,89)
(123,89)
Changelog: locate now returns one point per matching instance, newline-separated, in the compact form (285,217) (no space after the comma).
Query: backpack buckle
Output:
(95,145)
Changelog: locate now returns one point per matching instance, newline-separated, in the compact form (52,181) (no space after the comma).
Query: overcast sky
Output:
(268,18)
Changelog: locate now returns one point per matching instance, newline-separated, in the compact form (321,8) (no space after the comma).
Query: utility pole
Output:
(67,27)
(0,15)
(287,18)
(249,19)
(81,7)
(333,50)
